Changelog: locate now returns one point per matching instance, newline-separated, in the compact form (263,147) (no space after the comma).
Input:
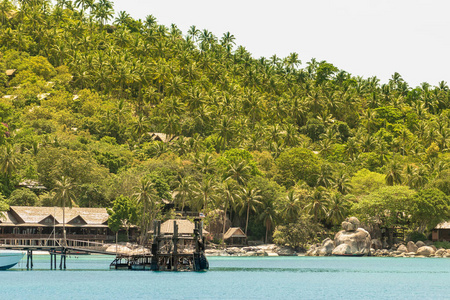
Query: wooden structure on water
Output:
(55,247)
(23,224)
(170,251)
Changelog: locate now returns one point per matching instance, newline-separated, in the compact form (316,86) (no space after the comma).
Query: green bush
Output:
(445,245)
(417,236)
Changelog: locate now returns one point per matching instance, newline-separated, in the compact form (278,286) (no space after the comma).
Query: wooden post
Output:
(175,246)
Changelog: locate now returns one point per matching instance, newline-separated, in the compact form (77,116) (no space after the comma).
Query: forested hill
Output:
(108,106)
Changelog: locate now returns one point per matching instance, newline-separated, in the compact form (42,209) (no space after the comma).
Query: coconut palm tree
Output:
(64,197)
(239,171)
(318,203)
(337,209)
(8,161)
(229,197)
(394,173)
(268,214)
(290,206)
(206,190)
(184,190)
(250,199)
(145,195)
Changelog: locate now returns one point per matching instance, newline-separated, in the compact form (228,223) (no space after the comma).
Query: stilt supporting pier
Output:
(29,259)
(52,259)
(62,262)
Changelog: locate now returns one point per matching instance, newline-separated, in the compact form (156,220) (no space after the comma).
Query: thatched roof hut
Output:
(441,232)
(28,216)
(235,236)
(10,72)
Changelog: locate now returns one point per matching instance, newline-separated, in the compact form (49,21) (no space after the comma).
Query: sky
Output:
(363,37)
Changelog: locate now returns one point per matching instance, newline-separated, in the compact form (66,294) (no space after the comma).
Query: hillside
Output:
(105,107)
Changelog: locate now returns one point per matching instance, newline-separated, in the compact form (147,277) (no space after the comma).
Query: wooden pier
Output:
(169,252)
(55,248)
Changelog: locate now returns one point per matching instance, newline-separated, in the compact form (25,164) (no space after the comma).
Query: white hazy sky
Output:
(363,37)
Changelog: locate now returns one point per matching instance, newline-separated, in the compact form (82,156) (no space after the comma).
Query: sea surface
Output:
(89,277)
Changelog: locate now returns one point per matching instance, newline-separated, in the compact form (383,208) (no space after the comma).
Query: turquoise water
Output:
(89,277)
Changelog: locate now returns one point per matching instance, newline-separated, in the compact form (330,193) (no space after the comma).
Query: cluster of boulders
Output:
(125,249)
(411,249)
(261,250)
(351,240)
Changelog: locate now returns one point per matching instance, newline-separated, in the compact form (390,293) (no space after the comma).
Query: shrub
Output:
(417,236)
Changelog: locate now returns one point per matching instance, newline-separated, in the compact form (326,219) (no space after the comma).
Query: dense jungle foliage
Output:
(109,111)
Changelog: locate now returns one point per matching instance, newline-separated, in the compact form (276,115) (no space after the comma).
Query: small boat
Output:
(352,255)
(9,258)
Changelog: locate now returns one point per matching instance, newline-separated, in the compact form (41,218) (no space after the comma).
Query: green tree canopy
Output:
(297,164)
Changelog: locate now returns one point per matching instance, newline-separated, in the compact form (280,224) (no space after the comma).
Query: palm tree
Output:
(229,196)
(64,196)
(337,209)
(394,172)
(342,183)
(325,177)
(318,203)
(8,161)
(290,207)
(145,195)
(184,190)
(206,190)
(268,214)
(103,11)
(250,198)
(239,171)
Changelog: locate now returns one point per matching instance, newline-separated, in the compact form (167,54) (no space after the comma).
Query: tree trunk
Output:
(248,213)
(267,229)
(64,223)
(224,221)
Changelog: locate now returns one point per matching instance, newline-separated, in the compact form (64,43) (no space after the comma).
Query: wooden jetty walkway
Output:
(54,247)
(169,252)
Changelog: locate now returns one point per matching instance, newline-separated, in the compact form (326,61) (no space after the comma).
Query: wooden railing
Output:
(89,237)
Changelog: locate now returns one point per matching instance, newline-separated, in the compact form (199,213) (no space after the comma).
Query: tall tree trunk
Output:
(224,223)
(64,223)
(267,230)
(248,213)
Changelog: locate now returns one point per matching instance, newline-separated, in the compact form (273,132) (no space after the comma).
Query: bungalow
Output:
(441,232)
(30,223)
(235,236)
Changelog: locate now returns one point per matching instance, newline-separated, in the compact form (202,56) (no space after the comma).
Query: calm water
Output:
(89,277)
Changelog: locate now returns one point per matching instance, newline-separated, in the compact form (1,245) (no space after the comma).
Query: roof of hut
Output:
(184,227)
(10,72)
(28,215)
(443,225)
(235,232)
(32,184)
(158,136)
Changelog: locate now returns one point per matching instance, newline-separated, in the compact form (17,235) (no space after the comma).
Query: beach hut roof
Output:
(75,216)
(235,232)
(158,136)
(32,184)
(10,72)
(184,227)
(443,225)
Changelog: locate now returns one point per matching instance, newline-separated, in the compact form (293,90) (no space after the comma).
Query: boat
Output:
(9,258)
